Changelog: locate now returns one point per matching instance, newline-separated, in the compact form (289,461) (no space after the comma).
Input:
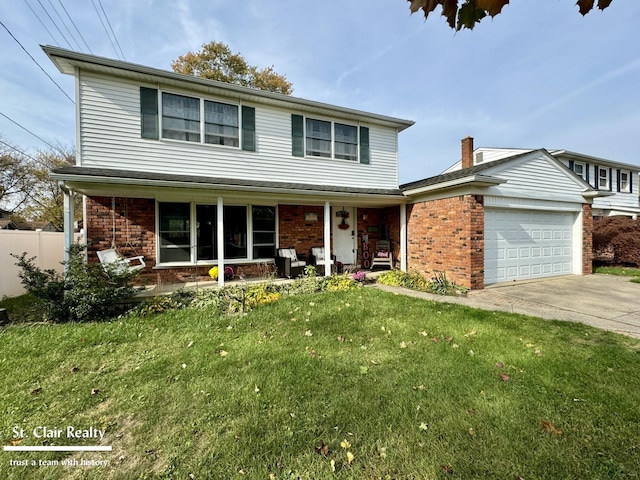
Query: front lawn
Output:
(363,382)
(632,272)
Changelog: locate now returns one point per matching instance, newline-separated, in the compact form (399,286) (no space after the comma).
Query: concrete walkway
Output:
(603,301)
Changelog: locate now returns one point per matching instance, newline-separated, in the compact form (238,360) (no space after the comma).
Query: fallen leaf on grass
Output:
(448,339)
(256,389)
(223,353)
(550,427)
(403,345)
(36,391)
(472,332)
(505,377)
(341,339)
(323,449)
(364,370)
(424,334)
(16,441)
(345,444)
(423,426)
(499,364)
(447,469)
(308,333)
(74,369)
(313,354)
(538,353)
(333,465)
(95,391)
(350,457)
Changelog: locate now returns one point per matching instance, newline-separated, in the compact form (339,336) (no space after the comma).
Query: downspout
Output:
(68,215)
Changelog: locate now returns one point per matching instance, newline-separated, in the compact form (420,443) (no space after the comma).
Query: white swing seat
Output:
(111,259)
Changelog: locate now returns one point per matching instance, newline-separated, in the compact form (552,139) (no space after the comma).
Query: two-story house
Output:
(192,173)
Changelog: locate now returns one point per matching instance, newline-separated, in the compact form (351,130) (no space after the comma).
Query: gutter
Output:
(471,180)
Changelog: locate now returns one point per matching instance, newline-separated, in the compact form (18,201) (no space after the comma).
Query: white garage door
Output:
(521,244)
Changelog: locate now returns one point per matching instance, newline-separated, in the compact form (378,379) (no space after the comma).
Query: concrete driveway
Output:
(602,301)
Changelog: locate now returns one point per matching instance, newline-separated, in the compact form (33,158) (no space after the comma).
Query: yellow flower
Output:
(213,273)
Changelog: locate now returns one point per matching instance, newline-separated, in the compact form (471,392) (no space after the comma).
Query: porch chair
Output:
(382,256)
(111,260)
(288,264)
(317,259)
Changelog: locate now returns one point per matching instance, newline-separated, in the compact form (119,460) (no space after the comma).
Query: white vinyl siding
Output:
(110,137)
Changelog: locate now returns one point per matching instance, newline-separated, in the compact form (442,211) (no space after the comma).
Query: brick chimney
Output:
(467,152)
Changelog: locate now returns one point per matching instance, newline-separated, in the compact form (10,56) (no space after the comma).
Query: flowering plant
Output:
(360,276)
(213,273)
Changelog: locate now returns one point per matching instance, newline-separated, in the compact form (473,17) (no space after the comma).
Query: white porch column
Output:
(327,239)
(68,215)
(220,237)
(403,237)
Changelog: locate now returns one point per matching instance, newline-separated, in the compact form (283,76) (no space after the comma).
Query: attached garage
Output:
(527,244)
(517,218)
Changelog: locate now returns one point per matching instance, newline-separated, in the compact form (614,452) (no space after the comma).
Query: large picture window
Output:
(180,117)
(245,237)
(321,138)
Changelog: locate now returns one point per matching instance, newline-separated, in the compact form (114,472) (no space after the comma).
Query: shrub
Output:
(439,284)
(360,276)
(616,240)
(339,283)
(85,292)
(165,303)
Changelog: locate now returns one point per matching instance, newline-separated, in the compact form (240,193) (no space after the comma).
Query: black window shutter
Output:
(596,174)
(297,135)
(586,167)
(630,182)
(610,179)
(248,128)
(618,179)
(365,153)
(149,113)
(571,167)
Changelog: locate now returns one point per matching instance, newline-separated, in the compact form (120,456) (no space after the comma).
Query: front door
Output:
(344,230)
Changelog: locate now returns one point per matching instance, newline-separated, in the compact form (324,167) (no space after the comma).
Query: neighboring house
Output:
(8,224)
(193,173)
(615,181)
(4,214)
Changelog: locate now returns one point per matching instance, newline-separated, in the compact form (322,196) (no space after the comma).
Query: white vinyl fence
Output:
(47,247)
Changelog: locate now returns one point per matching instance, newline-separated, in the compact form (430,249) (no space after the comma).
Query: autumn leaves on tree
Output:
(466,13)
(216,61)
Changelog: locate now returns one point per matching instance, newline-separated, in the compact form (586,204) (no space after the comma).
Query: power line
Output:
(105,28)
(110,28)
(55,24)
(25,154)
(34,61)
(42,23)
(75,26)
(65,25)
(29,131)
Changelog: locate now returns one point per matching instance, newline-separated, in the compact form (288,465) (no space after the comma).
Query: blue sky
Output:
(538,75)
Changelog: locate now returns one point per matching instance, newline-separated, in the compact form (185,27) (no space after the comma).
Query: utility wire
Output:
(29,131)
(110,28)
(42,23)
(55,24)
(75,26)
(25,154)
(34,61)
(105,28)
(65,25)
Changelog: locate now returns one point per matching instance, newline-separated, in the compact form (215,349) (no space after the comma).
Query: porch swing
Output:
(112,259)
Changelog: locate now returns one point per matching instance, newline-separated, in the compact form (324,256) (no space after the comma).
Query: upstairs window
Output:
(321,138)
(603,178)
(624,184)
(346,142)
(197,120)
(579,169)
(221,124)
(318,138)
(180,117)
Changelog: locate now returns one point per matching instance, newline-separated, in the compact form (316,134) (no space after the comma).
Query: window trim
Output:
(247,138)
(583,175)
(193,247)
(606,177)
(361,157)
(626,189)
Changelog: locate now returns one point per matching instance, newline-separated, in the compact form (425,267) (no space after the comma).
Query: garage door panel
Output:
(522,244)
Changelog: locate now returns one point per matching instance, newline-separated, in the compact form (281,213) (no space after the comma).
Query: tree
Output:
(466,13)
(15,177)
(45,201)
(216,61)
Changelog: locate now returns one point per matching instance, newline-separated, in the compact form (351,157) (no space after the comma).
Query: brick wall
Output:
(134,227)
(587,239)
(293,231)
(447,235)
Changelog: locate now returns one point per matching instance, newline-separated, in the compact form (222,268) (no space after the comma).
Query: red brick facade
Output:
(447,235)
(293,231)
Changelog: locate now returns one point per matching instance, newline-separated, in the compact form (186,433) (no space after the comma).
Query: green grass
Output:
(414,387)
(22,309)
(622,271)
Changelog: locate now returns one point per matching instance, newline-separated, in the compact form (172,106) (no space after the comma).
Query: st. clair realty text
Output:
(66,432)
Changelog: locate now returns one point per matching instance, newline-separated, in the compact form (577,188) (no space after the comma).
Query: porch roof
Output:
(105,176)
